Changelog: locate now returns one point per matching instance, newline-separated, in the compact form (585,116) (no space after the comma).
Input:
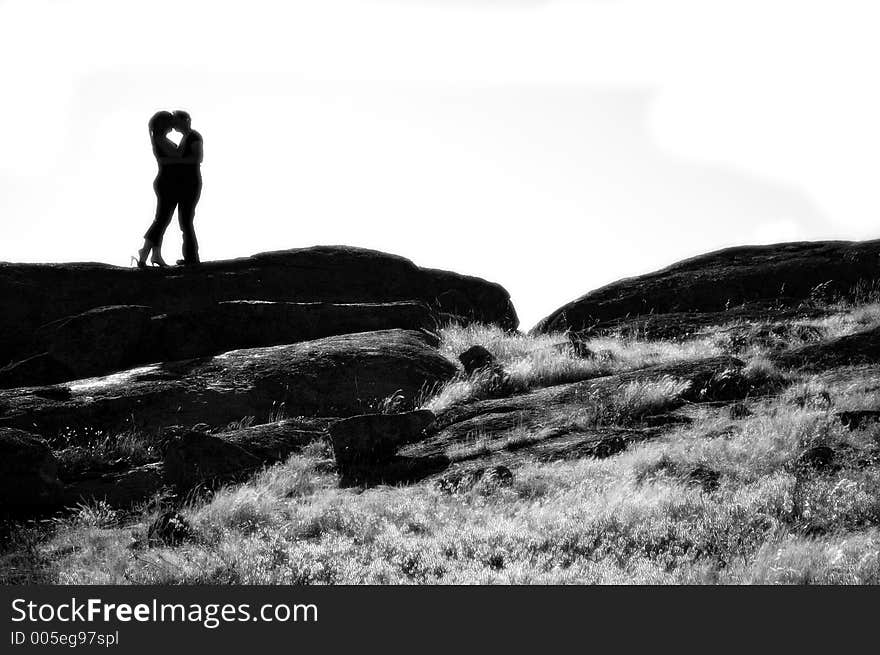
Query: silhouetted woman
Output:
(165,185)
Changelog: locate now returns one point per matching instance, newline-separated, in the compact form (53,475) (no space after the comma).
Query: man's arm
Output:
(196,156)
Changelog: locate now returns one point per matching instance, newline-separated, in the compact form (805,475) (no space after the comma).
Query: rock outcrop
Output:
(191,458)
(194,458)
(37,294)
(780,276)
(118,489)
(476,358)
(109,339)
(565,421)
(851,350)
(364,441)
(28,473)
(716,378)
(337,376)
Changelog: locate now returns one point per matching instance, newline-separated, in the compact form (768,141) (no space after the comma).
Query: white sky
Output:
(549,146)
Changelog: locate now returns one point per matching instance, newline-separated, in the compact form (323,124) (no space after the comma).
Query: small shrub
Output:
(95,515)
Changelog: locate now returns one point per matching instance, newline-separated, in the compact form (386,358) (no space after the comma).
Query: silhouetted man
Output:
(187,174)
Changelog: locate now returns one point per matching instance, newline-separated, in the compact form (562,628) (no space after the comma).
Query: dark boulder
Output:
(196,458)
(98,341)
(119,489)
(35,370)
(337,376)
(858,418)
(368,440)
(818,458)
(37,294)
(786,275)
(28,472)
(480,362)
(723,385)
(251,324)
(193,458)
(476,358)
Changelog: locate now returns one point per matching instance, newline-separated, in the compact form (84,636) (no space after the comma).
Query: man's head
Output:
(182,121)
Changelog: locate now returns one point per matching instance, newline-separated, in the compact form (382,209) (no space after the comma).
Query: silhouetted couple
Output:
(178,185)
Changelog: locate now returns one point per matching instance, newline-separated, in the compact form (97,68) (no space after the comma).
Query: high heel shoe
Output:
(137,262)
(158,262)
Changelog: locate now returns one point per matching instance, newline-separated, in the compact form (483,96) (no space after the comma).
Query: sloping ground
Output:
(708,470)
(539,407)
(36,294)
(337,376)
(781,276)
(585,419)
(704,467)
(679,326)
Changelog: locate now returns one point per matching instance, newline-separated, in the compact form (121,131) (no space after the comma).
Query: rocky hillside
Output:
(320,332)
(677,425)
(753,280)
(42,299)
(68,321)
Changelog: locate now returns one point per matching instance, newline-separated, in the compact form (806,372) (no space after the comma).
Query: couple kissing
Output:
(178,185)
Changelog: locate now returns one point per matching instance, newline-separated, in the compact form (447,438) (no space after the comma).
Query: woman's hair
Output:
(160,122)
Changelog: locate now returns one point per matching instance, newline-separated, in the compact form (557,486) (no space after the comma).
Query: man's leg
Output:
(186,213)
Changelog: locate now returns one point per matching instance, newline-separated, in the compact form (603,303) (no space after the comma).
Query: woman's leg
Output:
(143,252)
(166,201)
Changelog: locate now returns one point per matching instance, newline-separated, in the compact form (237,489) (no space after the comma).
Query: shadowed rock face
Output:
(109,339)
(337,376)
(851,350)
(117,489)
(28,472)
(363,441)
(194,458)
(37,294)
(782,276)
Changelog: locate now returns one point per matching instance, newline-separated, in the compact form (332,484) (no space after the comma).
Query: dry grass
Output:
(631,518)
(620,520)
(721,500)
(636,517)
(81,449)
(856,319)
(548,360)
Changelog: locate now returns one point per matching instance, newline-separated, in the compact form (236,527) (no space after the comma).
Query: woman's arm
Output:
(165,150)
